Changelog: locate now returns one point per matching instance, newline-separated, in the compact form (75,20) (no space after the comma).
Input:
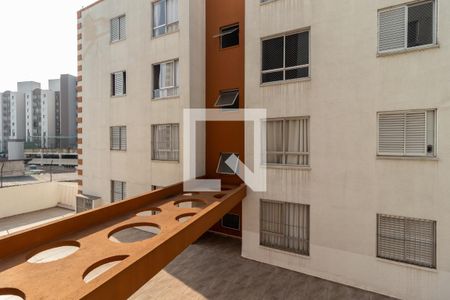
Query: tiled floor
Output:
(212,268)
(25,221)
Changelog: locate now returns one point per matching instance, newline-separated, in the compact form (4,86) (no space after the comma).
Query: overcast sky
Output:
(38,40)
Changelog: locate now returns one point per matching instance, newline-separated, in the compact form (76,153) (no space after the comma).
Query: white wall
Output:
(33,197)
(347,184)
(136,110)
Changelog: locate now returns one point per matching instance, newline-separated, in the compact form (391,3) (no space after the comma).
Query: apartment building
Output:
(40,117)
(12,118)
(65,109)
(358,109)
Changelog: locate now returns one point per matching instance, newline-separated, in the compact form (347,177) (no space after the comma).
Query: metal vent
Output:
(407,240)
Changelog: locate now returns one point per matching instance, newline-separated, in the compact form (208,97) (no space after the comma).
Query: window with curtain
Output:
(118,29)
(288,141)
(118,190)
(284,226)
(166,79)
(165,17)
(407,26)
(285,57)
(407,133)
(407,240)
(119,83)
(165,142)
(118,137)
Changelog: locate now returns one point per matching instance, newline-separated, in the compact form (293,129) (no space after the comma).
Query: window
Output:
(228,164)
(118,190)
(288,141)
(407,133)
(407,26)
(156,187)
(231,221)
(229,36)
(118,138)
(228,99)
(165,142)
(165,79)
(285,226)
(119,83)
(165,17)
(118,29)
(407,240)
(285,57)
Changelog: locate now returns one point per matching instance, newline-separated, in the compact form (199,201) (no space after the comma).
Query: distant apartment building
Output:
(40,117)
(12,118)
(358,125)
(65,109)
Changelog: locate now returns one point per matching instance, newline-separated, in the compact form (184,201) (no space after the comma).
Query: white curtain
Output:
(166,75)
(159,13)
(172,11)
(293,138)
(274,141)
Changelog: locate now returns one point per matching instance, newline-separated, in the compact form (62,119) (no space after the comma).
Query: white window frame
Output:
(175,152)
(169,91)
(168,27)
(406,6)
(284,69)
(236,167)
(284,153)
(404,154)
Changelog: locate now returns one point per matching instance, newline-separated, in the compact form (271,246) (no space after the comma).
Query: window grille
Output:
(407,240)
(285,226)
(288,141)
(118,29)
(118,138)
(165,142)
(407,26)
(285,57)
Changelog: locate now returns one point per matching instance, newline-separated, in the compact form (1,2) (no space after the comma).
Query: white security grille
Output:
(118,29)
(407,240)
(118,190)
(285,226)
(165,142)
(118,138)
(407,133)
(285,57)
(119,83)
(288,141)
(407,26)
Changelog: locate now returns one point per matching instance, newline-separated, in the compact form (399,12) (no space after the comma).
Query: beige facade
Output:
(346,184)
(136,110)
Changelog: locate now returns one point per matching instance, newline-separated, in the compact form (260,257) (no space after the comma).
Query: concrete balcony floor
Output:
(213,268)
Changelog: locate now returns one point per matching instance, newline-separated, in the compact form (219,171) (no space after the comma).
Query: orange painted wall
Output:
(224,70)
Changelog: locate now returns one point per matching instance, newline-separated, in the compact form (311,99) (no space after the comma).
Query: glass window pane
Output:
(297,49)
(272,53)
(159,13)
(271,77)
(420,25)
(297,73)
